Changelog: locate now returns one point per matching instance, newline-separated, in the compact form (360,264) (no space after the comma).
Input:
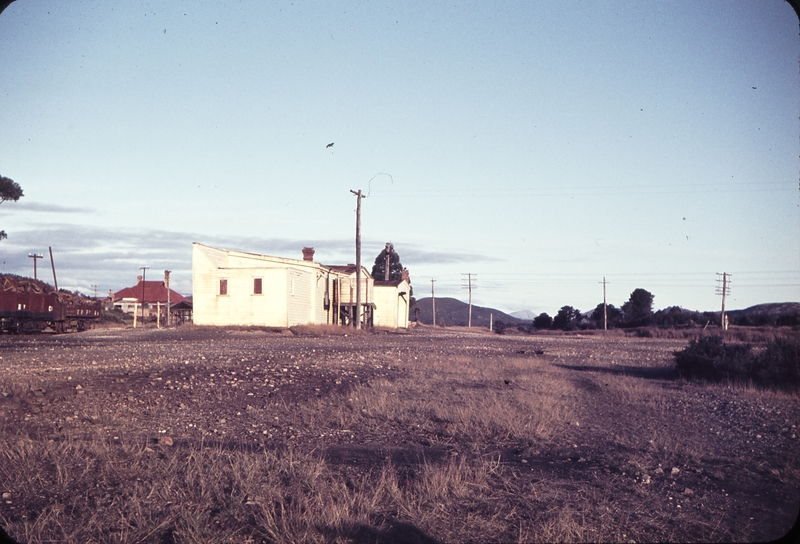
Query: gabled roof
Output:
(228,259)
(154,291)
(234,259)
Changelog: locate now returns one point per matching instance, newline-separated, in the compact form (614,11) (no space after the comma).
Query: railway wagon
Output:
(22,312)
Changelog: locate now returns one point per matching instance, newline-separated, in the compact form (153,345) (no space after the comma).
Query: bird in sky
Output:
(329,145)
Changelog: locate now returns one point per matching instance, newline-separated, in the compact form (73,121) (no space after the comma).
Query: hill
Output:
(452,312)
(780,313)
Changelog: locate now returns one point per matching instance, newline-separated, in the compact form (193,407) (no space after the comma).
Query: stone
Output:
(675,470)
(166,440)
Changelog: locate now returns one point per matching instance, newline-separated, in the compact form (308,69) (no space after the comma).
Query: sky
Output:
(540,146)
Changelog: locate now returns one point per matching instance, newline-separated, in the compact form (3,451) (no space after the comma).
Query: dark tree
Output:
(567,318)
(613,313)
(543,321)
(639,307)
(395,267)
(9,190)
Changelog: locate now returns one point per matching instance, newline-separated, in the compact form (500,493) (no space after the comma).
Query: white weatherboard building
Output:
(392,300)
(236,288)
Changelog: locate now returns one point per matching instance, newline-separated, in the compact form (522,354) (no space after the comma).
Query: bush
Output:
(779,364)
(499,327)
(708,358)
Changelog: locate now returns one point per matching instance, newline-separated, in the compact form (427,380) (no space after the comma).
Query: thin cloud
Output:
(50,208)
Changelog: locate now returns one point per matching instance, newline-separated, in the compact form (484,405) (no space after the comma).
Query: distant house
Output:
(154,296)
(392,299)
(237,288)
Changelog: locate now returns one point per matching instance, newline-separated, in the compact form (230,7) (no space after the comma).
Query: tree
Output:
(395,267)
(395,272)
(542,321)
(612,313)
(567,318)
(639,307)
(9,190)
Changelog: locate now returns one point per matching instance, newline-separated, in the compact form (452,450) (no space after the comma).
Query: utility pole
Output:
(53,265)
(433,301)
(389,249)
(469,287)
(359,196)
(723,289)
(169,298)
(144,276)
(34,256)
(605,309)
(95,288)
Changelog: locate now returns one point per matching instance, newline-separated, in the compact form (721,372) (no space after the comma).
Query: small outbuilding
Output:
(392,300)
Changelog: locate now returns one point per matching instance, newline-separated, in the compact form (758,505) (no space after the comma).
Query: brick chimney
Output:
(138,279)
(308,253)
(406,276)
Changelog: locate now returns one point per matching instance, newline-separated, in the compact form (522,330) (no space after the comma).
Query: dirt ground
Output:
(594,436)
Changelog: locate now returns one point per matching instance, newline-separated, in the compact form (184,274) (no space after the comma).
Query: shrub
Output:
(779,364)
(499,327)
(708,358)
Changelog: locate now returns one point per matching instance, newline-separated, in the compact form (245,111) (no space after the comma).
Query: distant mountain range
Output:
(451,312)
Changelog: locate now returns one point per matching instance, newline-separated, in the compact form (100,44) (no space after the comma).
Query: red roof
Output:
(154,291)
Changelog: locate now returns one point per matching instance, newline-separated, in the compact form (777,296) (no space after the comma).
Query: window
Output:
(257,286)
(223,287)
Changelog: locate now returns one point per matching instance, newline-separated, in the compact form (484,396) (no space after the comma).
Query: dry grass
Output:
(387,438)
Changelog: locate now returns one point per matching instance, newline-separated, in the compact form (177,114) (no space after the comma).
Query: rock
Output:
(675,470)
(166,440)
(645,478)
(659,470)
(688,491)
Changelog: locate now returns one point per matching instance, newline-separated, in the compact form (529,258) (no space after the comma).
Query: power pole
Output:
(35,257)
(723,289)
(433,301)
(359,196)
(144,276)
(605,312)
(95,288)
(469,287)
(53,265)
(169,298)
(389,249)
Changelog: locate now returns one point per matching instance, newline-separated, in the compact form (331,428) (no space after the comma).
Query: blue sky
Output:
(539,145)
